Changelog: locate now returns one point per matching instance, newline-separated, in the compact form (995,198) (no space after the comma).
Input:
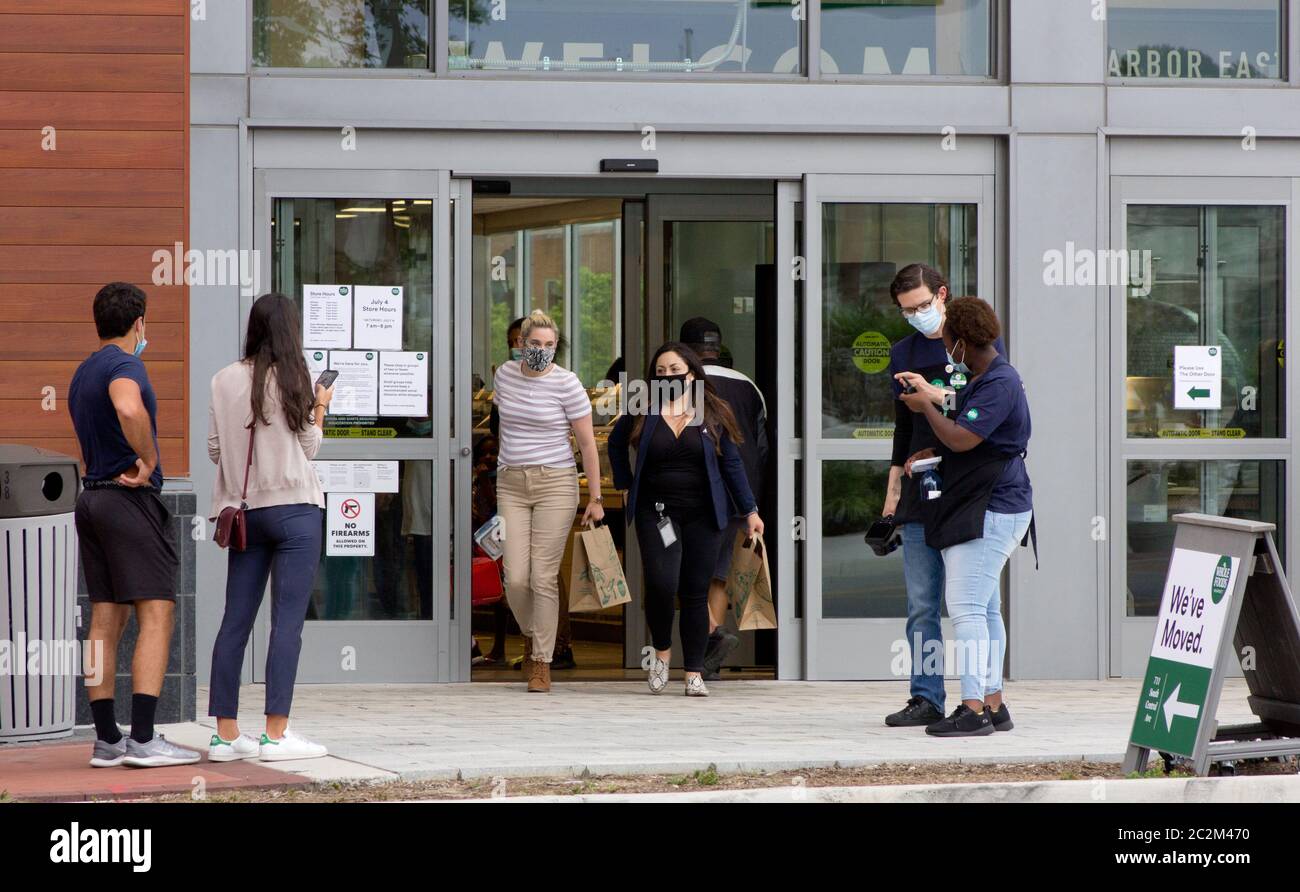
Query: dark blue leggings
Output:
(284,543)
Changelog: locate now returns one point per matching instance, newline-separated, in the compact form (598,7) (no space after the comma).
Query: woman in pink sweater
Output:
(266,401)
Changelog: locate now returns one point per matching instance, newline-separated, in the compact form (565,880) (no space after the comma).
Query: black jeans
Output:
(683,569)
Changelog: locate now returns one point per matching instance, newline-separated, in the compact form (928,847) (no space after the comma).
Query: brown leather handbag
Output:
(232,529)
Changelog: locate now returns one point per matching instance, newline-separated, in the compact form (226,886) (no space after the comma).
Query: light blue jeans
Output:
(971,574)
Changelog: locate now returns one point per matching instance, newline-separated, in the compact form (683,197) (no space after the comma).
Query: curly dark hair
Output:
(972,321)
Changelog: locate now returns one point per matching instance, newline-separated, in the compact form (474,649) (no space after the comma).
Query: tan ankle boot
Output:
(539,677)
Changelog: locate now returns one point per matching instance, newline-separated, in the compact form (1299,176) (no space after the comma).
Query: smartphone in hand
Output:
(327,378)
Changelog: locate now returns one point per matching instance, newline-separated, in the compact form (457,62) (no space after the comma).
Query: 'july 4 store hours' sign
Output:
(1189,633)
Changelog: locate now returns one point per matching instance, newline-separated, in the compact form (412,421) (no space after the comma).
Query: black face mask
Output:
(669,388)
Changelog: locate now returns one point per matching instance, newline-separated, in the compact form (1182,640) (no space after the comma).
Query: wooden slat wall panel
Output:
(111,78)
(27,418)
(90,263)
(89,7)
(72,303)
(78,226)
(150,188)
(28,379)
(77,340)
(92,111)
(174,450)
(92,72)
(93,33)
(94,149)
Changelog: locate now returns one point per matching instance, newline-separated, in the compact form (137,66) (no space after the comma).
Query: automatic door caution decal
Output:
(350,528)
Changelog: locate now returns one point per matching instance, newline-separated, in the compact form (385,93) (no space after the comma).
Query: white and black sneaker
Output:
(963,722)
(919,712)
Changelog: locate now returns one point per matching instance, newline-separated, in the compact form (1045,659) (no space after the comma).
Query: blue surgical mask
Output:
(516,353)
(957,366)
(927,321)
(139,347)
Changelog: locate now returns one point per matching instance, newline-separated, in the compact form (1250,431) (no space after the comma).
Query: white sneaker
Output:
(242,747)
(658,676)
(289,747)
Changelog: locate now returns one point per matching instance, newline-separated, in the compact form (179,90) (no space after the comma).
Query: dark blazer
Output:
(727,482)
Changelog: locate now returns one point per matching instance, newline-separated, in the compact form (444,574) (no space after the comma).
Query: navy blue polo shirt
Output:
(994,407)
(104,447)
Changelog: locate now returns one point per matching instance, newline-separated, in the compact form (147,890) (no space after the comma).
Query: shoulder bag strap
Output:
(252,429)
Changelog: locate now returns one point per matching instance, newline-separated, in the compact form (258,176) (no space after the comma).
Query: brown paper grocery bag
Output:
(749,584)
(596,578)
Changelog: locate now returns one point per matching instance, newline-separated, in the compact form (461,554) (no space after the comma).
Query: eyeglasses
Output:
(909,312)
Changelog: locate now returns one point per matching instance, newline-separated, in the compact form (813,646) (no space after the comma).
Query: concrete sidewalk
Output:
(415,732)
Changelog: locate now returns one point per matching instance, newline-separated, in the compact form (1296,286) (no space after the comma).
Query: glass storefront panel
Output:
(344,243)
(711,270)
(863,248)
(1212,277)
(1158,489)
(1194,39)
(696,37)
(341,33)
(396,583)
(597,331)
(857,584)
(912,38)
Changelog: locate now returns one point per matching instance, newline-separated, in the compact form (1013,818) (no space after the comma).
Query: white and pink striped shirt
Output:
(537,415)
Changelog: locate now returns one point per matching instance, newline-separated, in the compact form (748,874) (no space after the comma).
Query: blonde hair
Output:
(538,319)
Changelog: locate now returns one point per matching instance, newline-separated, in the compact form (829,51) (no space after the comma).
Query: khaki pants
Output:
(538,504)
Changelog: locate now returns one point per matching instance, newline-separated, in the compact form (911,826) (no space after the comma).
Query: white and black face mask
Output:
(538,358)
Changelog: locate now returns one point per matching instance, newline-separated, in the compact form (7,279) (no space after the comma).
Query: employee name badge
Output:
(666,531)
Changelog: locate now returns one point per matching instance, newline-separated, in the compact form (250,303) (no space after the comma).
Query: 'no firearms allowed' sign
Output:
(350,524)
(1189,633)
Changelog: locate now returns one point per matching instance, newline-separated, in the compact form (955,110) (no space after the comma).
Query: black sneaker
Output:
(563,659)
(721,644)
(964,722)
(918,711)
(1001,719)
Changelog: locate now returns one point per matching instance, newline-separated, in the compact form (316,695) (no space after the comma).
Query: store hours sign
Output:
(1189,633)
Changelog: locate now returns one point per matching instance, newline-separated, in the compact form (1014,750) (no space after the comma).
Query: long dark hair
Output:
(717,411)
(274,341)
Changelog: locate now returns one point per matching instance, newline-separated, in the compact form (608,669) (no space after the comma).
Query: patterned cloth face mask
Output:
(538,358)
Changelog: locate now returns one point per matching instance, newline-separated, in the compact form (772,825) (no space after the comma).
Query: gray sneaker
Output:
(157,753)
(108,755)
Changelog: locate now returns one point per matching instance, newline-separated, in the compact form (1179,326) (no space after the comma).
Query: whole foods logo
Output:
(1222,576)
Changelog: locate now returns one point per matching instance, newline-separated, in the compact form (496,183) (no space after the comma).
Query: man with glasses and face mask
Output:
(919,361)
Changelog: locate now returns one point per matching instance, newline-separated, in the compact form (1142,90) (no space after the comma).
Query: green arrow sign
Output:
(1199,393)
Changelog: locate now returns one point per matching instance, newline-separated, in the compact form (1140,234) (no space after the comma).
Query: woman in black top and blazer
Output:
(689,481)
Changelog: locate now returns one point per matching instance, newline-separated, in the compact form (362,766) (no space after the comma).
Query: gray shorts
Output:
(723,564)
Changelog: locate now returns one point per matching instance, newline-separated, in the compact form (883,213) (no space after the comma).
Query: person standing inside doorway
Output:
(985,508)
(688,477)
(562,656)
(918,360)
(750,411)
(266,403)
(539,405)
(124,530)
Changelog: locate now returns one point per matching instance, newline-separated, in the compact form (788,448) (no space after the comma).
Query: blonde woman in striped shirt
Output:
(539,404)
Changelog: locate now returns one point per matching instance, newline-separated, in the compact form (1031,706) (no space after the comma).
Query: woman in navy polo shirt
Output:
(986,507)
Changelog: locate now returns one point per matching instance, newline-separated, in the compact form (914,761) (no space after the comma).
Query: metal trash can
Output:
(39,654)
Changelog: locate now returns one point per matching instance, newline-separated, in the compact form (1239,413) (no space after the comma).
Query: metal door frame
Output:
(846,648)
(1129,638)
(400,650)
